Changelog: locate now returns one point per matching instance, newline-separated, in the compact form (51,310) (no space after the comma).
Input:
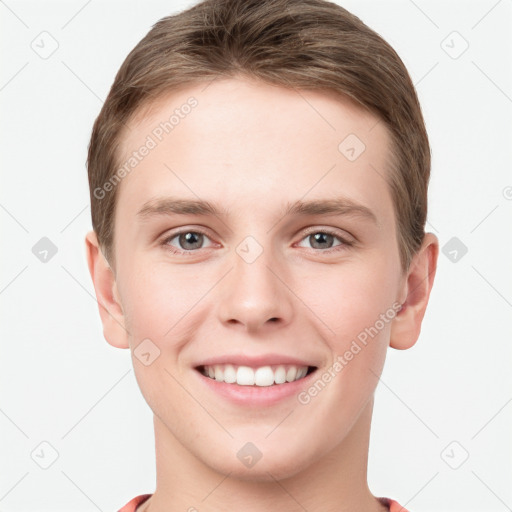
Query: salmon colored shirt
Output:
(132,505)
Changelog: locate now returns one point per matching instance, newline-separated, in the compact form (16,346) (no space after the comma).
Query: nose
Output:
(254,295)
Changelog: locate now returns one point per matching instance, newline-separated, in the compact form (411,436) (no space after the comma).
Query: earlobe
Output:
(107,296)
(406,326)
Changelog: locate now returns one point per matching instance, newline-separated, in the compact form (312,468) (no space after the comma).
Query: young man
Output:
(258,179)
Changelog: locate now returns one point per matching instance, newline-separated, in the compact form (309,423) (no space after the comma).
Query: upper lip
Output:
(254,361)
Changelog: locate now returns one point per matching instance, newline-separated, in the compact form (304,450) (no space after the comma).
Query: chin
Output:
(272,465)
(261,472)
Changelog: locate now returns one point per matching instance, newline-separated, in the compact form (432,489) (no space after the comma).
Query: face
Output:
(298,266)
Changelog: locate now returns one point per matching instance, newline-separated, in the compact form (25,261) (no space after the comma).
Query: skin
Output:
(251,147)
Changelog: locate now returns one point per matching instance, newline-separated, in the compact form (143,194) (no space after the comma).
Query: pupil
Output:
(320,237)
(188,238)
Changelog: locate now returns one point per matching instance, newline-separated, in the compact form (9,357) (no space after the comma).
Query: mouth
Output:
(256,381)
(261,376)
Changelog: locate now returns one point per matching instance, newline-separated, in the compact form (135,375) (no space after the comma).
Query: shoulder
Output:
(132,505)
(392,505)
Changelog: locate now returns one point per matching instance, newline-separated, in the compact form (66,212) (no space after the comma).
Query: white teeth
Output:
(229,374)
(280,375)
(219,374)
(291,374)
(245,376)
(262,376)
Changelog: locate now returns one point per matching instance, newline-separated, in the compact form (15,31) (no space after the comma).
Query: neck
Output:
(336,482)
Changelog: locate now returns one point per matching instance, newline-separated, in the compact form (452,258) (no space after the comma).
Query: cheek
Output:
(159,298)
(351,299)
(357,308)
(160,303)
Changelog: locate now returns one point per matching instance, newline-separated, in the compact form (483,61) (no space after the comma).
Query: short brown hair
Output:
(304,44)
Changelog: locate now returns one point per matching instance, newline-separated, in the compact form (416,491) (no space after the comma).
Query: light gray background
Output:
(61,383)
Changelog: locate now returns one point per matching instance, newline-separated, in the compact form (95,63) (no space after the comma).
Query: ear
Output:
(107,296)
(406,326)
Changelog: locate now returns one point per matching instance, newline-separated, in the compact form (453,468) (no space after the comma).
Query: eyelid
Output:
(315,229)
(345,241)
(170,236)
(343,235)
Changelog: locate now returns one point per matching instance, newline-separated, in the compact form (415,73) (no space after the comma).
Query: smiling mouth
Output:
(262,376)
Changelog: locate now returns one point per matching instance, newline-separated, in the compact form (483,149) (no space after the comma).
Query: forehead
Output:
(242,140)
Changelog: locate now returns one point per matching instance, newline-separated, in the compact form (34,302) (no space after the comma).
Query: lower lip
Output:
(257,395)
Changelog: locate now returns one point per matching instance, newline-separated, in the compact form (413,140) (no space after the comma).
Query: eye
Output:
(189,240)
(323,239)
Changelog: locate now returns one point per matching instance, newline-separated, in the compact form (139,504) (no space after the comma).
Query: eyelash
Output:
(344,243)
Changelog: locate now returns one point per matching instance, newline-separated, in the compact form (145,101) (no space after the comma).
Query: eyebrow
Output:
(176,206)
